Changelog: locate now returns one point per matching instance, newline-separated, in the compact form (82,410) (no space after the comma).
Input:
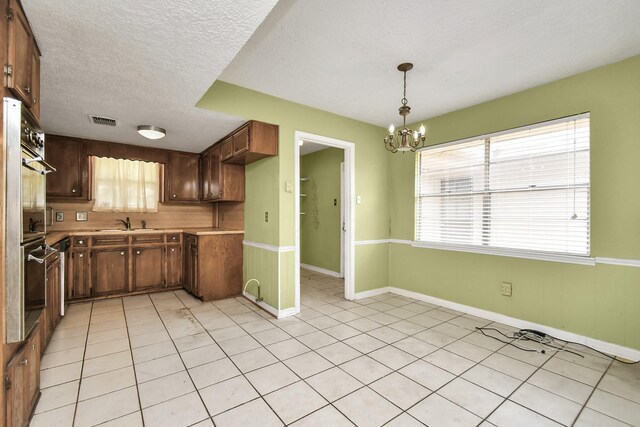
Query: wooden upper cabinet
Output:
(22,69)
(67,155)
(182,178)
(252,142)
(18,70)
(221,181)
(226,148)
(35,82)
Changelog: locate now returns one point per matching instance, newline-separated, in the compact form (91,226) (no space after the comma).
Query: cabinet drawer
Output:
(147,238)
(110,240)
(81,241)
(173,238)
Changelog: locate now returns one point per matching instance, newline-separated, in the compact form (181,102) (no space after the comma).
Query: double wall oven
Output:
(25,208)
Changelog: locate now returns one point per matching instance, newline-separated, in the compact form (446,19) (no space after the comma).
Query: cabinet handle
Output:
(81,242)
(173,249)
(121,252)
(174,238)
(81,256)
(33,346)
(27,89)
(25,362)
(173,196)
(73,190)
(137,252)
(34,101)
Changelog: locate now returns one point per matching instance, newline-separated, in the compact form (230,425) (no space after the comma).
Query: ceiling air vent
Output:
(98,120)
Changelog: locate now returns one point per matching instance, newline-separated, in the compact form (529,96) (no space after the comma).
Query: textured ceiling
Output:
(341,55)
(149,62)
(140,62)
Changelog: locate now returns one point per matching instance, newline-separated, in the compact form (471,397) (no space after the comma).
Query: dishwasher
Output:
(64,249)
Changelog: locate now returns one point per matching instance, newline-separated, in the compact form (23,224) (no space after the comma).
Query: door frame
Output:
(348,241)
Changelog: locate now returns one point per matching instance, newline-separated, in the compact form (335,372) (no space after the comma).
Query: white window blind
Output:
(526,189)
(121,185)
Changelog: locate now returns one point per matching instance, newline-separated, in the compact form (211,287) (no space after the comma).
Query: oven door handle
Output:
(31,257)
(49,168)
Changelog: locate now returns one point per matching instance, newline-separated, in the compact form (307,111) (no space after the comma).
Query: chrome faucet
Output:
(144,224)
(126,223)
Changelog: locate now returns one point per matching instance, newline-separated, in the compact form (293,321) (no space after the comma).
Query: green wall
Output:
(598,301)
(320,225)
(265,187)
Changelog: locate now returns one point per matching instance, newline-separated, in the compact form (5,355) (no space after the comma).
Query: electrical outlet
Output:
(335,202)
(59,216)
(266,217)
(505,289)
(358,199)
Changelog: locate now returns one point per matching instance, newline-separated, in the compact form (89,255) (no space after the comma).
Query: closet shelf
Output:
(305,178)
(303,194)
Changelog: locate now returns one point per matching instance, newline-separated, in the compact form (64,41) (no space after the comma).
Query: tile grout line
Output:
(133,365)
(84,353)
(593,390)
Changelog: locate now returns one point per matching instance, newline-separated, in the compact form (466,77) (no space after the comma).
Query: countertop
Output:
(55,236)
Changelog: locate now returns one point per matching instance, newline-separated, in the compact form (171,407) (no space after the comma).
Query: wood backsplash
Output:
(168,216)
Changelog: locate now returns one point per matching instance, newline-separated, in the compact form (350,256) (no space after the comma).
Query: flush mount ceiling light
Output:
(151,132)
(404,139)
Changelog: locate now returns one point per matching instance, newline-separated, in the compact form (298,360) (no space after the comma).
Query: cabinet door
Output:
(67,155)
(174,265)
(32,371)
(52,308)
(183,177)
(215,186)
(79,285)
(148,271)
(109,271)
(241,141)
(19,54)
(226,148)
(35,81)
(205,179)
(193,273)
(16,390)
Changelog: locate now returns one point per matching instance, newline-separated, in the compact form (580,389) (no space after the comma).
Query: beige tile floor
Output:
(166,359)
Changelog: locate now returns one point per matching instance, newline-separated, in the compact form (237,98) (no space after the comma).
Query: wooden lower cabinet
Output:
(51,315)
(22,381)
(213,266)
(109,271)
(174,265)
(147,267)
(108,265)
(79,283)
(191,264)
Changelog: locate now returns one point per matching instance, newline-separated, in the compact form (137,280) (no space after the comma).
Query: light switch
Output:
(358,199)
(288,186)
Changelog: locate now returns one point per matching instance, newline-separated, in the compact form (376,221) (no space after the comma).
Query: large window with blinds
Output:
(522,190)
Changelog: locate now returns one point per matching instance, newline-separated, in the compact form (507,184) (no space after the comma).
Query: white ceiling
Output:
(140,62)
(341,55)
(149,62)
(311,147)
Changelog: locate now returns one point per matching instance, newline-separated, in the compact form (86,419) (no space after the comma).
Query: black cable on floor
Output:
(529,334)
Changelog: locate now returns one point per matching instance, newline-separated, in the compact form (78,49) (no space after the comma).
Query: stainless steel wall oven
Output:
(25,209)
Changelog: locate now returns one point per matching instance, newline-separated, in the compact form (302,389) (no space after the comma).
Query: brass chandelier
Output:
(404,139)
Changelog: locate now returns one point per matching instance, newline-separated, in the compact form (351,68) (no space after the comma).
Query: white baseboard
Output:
(372,293)
(321,270)
(606,347)
(266,307)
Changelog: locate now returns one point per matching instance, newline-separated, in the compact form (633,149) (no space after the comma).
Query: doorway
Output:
(346,218)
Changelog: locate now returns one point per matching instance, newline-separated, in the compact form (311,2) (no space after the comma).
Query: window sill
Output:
(513,253)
